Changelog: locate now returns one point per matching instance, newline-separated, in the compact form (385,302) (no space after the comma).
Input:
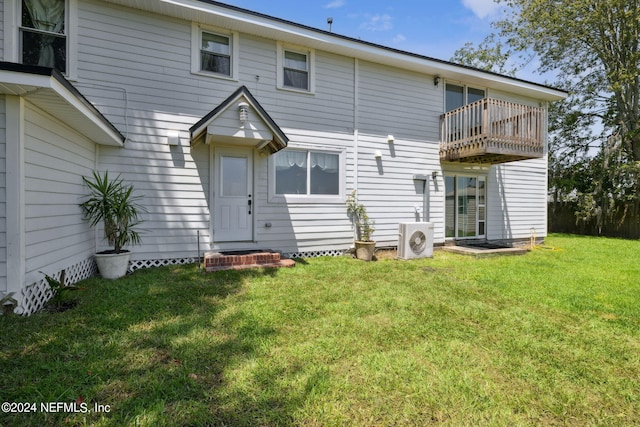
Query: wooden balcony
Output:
(492,131)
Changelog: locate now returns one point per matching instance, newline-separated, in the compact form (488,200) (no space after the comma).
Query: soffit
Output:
(48,90)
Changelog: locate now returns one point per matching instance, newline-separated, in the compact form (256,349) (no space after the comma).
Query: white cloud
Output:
(378,23)
(481,8)
(399,38)
(334,4)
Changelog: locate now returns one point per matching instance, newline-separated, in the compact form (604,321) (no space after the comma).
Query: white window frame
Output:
(196,44)
(309,53)
(12,34)
(309,198)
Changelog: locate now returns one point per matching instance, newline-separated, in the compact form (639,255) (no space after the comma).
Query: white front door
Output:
(233,199)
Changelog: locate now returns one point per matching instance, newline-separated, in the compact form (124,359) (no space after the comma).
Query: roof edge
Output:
(59,78)
(561,93)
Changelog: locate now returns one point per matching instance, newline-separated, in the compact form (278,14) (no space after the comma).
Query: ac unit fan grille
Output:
(418,242)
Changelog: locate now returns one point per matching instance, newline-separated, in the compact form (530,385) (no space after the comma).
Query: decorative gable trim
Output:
(253,131)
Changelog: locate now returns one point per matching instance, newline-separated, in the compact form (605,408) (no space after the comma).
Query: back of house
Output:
(243,132)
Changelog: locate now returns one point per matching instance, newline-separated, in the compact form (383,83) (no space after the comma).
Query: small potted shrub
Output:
(113,203)
(365,247)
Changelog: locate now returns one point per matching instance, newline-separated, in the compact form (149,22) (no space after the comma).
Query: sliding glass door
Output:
(465,206)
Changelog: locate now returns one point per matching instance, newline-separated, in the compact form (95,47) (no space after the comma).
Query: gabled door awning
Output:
(240,120)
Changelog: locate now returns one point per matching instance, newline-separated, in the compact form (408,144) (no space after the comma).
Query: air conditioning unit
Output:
(415,240)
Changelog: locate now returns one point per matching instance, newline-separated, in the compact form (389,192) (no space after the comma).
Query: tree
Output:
(492,54)
(593,49)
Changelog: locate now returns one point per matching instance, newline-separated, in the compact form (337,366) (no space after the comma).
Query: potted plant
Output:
(365,247)
(113,203)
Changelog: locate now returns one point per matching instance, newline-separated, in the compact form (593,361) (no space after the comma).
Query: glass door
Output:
(465,206)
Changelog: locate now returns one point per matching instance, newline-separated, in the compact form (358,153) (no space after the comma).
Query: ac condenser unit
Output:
(415,240)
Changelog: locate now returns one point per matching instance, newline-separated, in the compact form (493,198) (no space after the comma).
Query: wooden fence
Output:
(562,219)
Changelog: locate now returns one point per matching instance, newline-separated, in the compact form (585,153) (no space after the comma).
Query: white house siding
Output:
(304,227)
(144,62)
(406,105)
(388,190)
(56,157)
(398,102)
(3,195)
(2,29)
(135,67)
(517,200)
(147,60)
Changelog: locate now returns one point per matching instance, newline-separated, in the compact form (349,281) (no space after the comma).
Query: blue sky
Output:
(427,27)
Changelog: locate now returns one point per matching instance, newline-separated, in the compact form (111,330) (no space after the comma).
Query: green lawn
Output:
(549,338)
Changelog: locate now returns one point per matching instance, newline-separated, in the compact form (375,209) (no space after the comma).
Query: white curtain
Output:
(295,70)
(327,162)
(289,159)
(47,15)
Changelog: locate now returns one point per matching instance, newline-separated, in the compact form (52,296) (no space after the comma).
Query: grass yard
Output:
(549,338)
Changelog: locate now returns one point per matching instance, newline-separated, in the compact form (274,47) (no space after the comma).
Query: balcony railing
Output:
(492,131)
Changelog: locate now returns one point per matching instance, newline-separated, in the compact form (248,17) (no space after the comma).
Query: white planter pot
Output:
(365,250)
(113,266)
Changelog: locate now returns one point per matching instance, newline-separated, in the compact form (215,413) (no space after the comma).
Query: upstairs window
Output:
(214,51)
(43,38)
(296,70)
(215,54)
(456,96)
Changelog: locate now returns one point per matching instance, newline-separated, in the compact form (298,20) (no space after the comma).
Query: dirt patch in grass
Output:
(386,254)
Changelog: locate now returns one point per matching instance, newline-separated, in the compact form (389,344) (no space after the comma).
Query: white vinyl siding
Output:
(397,102)
(387,189)
(2,30)
(3,197)
(56,158)
(517,200)
(136,68)
(305,227)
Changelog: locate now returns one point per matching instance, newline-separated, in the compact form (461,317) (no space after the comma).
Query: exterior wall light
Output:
(173,138)
(378,154)
(243,111)
(436,80)
(390,139)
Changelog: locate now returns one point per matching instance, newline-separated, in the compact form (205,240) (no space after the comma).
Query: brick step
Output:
(216,261)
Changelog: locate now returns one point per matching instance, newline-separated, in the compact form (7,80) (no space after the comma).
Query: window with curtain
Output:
(296,70)
(43,39)
(215,53)
(307,173)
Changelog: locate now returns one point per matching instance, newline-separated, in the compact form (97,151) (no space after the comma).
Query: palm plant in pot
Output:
(112,203)
(365,247)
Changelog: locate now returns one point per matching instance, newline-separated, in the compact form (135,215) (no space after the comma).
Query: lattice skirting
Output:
(313,254)
(36,295)
(138,264)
